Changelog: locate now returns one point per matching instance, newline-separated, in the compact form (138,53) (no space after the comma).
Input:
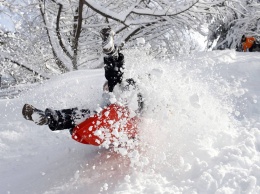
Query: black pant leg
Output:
(111,85)
(65,118)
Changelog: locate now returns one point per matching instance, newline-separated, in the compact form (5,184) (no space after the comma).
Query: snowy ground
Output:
(200,132)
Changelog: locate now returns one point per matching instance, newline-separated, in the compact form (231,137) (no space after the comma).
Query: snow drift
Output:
(199,133)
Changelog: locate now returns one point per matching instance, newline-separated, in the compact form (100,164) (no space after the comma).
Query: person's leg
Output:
(111,85)
(65,118)
(55,119)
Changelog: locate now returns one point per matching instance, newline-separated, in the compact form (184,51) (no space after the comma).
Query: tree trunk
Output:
(59,63)
(76,33)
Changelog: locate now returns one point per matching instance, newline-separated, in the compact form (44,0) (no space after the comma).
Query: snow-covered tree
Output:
(73,26)
(240,18)
(25,53)
(54,36)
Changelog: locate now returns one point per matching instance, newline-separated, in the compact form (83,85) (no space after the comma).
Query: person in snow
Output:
(69,118)
(249,44)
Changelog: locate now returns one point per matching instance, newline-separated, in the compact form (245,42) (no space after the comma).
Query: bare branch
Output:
(58,61)
(58,32)
(27,68)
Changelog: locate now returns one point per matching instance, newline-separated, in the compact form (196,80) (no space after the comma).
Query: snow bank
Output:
(199,134)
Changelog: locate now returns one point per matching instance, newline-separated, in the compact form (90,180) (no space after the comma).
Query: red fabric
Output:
(109,118)
(248,43)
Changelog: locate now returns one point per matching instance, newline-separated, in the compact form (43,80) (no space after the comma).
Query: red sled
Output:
(111,120)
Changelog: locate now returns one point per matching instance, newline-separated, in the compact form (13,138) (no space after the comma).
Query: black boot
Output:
(33,114)
(109,48)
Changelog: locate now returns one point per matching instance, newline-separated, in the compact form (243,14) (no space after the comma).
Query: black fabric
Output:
(130,82)
(243,39)
(252,47)
(65,118)
(105,33)
(255,48)
(114,67)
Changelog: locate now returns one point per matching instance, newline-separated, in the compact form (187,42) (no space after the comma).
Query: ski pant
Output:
(65,118)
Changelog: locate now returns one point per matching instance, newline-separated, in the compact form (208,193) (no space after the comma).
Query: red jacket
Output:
(248,43)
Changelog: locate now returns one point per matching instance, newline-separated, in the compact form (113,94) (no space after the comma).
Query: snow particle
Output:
(237,113)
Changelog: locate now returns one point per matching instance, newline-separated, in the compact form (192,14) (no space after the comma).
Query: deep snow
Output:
(200,132)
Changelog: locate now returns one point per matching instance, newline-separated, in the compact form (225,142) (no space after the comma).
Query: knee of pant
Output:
(53,119)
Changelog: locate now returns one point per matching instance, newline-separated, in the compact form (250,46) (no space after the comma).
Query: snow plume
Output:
(190,121)
(188,117)
(179,108)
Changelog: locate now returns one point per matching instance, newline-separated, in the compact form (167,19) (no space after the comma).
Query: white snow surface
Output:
(200,132)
